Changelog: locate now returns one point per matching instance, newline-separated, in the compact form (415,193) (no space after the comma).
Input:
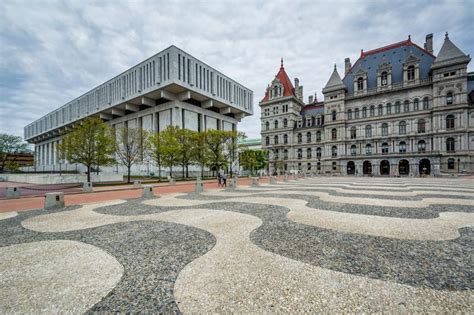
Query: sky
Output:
(54,51)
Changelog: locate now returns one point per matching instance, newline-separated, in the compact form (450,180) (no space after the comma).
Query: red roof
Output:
(288,88)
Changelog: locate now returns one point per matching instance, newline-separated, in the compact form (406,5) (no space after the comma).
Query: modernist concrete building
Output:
(171,87)
(399,110)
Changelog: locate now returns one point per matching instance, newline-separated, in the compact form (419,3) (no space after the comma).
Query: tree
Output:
(171,147)
(89,143)
(232,147)
(248,160)
(10,145)
(130,146)
(185,140)
(215,141)
(156,149)
(199,150)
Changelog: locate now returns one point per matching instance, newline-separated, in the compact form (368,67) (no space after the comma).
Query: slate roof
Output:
(334,82)
(449,54)
(282,76)
(313,109)
(394,54)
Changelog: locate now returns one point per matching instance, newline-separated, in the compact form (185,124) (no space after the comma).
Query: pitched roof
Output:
(449,53)
(334,82)
(394,55)
(288,88)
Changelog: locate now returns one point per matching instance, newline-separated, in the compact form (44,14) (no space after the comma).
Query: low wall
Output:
(57,179)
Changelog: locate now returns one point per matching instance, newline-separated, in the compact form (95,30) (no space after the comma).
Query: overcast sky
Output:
(54,51)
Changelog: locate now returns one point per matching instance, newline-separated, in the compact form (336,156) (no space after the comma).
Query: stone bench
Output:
(13,192)
(87,187)
(273,180)
(255,181)
(199,186)
(147,191)
(54,200)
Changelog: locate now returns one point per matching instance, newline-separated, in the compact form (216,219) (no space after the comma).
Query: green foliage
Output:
(216,143)
(130,145)
(156,147)
(90,143)
(253,160)
(200,154)
(185,139)
(9,146)
(170,155)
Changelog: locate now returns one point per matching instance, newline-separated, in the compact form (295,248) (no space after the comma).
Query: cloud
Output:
(53,51)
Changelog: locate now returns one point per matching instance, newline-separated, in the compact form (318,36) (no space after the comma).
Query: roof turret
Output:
(449,54)
(335,82)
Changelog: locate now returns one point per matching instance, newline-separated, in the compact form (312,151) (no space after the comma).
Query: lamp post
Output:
(458,164)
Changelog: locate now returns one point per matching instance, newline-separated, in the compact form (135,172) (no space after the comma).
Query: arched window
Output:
(356,113)
(364,112)
(397,107)
(285,154)
(267,125)
(450,164)
(276,139)
(334,151)
(380,110)
(360,84)
(449,98)
(285,138)
(334,166)
(416,104)
(402,146)
(308,153)
(389,108)
(334,134)
(275,154)
(318,136)
(309,121)
(318,120)
(308,137)
(426,103)
(353,150)
(334,115)
(421,126)
(353,133)
(276,124)
(267,140)
(300,154)
(300,138)
(450,145)
(368,149)
(402,128)
(368,131)
(411,73)
(372,111)
(285,123)
(384,129)
(421,146)
(406,106)
(318,153)
(384,148)
(384,78)
(450,122)
(349,114)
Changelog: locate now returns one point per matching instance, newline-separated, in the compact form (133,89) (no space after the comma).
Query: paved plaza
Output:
(326,244)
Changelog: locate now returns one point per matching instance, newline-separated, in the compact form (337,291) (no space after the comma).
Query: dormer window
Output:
(384,78)
(360,84)
(449,98)
(308,121)
(411,73)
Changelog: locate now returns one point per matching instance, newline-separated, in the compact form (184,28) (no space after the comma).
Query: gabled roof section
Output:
(335,82)
(282,76)
(449,54)
(394,56)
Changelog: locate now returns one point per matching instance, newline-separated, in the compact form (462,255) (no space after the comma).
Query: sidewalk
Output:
(106,193)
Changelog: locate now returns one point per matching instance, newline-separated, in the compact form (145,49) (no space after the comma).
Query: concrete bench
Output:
(273,180)
(87,187)
(147,191)
(255,181)
(13,192)
(54,200)
(199,186)
(232,184)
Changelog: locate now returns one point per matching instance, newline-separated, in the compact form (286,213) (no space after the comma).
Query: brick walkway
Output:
(105,193)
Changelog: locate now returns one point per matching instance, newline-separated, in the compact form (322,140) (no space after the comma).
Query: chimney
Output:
(297,83)
(347,66)
(429,43)
(310,99)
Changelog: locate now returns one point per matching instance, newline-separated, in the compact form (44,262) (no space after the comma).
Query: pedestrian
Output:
(224,180)
(219,180)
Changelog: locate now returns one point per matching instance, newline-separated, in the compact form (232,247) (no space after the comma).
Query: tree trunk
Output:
(88,173)
(187,171)
(159,171)
(182,171)
(128,173)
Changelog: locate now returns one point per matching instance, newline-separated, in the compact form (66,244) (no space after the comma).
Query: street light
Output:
(458,164)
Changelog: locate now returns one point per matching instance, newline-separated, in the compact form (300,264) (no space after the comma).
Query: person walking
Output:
(224,180)
(219,180)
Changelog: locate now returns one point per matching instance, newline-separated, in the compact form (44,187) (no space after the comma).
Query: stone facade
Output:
(399,110)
